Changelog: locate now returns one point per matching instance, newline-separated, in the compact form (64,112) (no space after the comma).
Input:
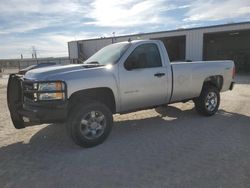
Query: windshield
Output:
(108,55)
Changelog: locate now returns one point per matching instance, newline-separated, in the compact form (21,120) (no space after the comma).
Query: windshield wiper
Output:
(92,62)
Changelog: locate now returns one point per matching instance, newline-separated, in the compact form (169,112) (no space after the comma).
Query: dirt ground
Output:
(163,147)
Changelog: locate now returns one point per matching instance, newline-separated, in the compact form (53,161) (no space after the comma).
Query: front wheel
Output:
(90,124)
(208,102)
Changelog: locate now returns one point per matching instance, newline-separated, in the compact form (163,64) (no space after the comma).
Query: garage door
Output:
(234,45)
(176,47)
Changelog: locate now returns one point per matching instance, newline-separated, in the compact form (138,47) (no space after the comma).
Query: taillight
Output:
(233,72)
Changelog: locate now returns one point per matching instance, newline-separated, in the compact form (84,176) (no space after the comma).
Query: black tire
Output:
(75,126)
(203,105)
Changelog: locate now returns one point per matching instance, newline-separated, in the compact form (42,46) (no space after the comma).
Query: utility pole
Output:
(34,53)
(113,37)
(19,62)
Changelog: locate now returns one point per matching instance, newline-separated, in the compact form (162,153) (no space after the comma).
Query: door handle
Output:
(159,75)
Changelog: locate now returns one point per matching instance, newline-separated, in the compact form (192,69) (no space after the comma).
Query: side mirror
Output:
(130,64)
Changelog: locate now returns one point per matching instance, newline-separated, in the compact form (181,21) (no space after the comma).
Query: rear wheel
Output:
(208,102)
(90,124)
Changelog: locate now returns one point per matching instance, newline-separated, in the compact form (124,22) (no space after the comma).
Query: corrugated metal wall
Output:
(194,39)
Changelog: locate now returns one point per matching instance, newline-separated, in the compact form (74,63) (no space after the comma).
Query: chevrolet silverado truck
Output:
(120,78)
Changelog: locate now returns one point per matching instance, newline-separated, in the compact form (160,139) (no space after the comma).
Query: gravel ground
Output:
(163,147)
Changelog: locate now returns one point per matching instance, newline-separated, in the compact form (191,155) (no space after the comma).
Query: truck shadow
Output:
(51,150)
(54,137)
(243,79)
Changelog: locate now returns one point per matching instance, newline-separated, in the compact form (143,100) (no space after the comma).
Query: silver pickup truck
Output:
(120,78)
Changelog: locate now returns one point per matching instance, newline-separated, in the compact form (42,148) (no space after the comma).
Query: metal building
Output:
(219,42)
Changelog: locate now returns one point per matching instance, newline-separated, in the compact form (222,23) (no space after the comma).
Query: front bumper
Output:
(44,113)
(25,112)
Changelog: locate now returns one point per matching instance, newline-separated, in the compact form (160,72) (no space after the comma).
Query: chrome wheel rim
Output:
(211,101)
(92,125)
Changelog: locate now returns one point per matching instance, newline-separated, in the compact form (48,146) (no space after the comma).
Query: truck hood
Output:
(48,72)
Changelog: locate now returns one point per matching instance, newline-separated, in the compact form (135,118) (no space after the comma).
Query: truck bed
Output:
(188,77)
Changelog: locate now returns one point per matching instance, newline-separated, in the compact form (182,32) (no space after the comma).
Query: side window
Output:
(144,56)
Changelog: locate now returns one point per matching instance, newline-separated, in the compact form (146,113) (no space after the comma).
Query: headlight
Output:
(50,86)
(49,91)
(50,96)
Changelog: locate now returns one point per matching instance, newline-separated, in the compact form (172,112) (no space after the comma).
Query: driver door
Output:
(143,79)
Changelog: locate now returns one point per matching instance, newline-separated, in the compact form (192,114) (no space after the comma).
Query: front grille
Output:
(28,91)
(14,92)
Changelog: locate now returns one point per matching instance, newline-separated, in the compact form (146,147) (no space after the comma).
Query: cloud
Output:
(26,26)
(40,6)
(213,10)
(26,15)
(50,24)
(47,45)
(129,13)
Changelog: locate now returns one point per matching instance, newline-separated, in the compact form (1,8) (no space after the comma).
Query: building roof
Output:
(175,30)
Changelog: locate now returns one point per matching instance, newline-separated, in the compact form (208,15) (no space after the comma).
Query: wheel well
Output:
(216,81)
(103,95)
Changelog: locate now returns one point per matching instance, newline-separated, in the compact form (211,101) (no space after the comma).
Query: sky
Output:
(49,24)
